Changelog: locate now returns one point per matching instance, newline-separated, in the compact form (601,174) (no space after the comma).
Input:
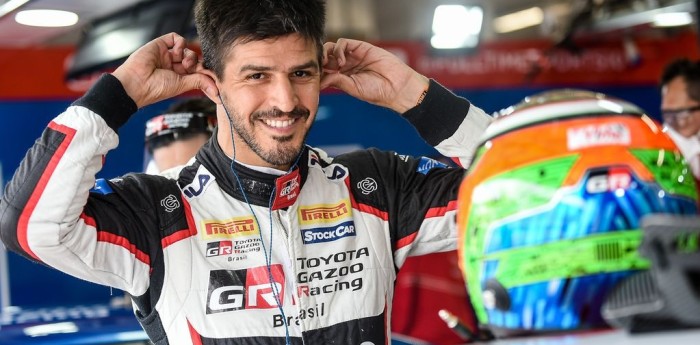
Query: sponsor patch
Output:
(170,203)
(325,213)
(313,159)
(250,288)
(101,187)
(287,188)
(234,227)
(328,234)
(367,186)
(308,313)
(233,247)
(335,172)
(331,273)
(607,181)
(426,164)
(219,248)
(197,186)
(597,135)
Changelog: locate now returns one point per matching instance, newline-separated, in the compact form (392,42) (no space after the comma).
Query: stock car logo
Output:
(328,234)
(235,227)
(231,290)
(326,214)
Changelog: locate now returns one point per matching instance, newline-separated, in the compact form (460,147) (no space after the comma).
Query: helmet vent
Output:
(608,251)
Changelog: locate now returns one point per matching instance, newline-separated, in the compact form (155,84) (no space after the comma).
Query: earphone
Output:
(268,257)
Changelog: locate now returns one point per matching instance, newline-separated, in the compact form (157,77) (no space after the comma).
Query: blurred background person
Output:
(175,136)
(680,108)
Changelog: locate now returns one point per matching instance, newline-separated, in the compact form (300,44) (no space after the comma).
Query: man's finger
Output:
(190,61)
(179,47)
(203,82)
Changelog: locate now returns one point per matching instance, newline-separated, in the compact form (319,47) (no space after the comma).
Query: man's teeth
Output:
(279,123)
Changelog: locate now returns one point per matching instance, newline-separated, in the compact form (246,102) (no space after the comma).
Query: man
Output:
(173,138)
(262,239)
(680,108)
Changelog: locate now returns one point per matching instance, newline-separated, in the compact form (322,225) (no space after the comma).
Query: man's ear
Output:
(213,96)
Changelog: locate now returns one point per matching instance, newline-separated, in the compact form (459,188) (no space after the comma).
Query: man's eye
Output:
(256,76)
(301,73)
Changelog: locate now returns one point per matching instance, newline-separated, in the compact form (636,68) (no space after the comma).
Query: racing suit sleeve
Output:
(449,123)
(418,196)
(48,213)
(424,216)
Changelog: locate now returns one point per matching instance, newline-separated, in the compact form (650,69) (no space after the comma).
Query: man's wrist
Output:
(413,94)
(130,86)
(108,99)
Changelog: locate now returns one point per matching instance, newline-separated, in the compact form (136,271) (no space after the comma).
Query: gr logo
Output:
(244,289)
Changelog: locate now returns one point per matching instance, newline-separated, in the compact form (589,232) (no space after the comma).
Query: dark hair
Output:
(194,105)
(223,23)
(688,70)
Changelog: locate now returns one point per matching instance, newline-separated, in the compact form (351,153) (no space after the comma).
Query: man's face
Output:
(271,91)
(678,110)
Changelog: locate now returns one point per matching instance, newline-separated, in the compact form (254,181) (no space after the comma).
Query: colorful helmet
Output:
(549,212)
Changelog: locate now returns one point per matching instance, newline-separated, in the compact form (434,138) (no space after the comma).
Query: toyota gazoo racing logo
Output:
(233,247)
(231,290)
(219,248)
(608,180)
(290,186)
(331,273)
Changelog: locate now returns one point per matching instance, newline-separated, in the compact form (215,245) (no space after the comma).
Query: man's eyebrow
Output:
(310,64)
(257,68)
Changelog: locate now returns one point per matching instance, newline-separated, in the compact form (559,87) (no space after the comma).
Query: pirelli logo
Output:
(235,227)
(324,213)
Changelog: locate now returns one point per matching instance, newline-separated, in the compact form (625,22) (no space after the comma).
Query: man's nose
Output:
(284,95)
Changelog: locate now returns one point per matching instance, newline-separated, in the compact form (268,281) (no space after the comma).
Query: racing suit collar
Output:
(258,186)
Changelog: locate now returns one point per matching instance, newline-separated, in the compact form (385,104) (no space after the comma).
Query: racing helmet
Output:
(184,119)
(549,211)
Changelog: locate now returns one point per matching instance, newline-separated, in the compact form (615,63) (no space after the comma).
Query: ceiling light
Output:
(672,19)
(456,26)
(10,6)
(518,20)
(46,18)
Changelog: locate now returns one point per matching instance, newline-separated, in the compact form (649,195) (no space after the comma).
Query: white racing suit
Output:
(204,265)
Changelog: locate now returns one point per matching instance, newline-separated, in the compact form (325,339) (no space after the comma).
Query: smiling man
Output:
(262,239)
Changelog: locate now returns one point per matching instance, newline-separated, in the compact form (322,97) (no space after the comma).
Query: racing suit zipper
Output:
(291,285)
(281,223)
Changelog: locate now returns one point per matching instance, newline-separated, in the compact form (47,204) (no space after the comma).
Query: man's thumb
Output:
(204,83)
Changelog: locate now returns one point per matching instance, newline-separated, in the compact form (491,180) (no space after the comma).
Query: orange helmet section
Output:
(589,138)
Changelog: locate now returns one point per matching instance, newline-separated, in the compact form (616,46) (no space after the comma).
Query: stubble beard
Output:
(284,153)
